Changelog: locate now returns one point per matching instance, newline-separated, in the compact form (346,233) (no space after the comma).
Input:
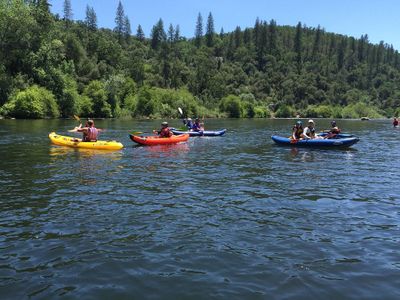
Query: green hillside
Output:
(51,66)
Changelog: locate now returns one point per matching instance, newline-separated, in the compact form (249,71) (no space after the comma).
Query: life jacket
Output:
(395,123)
(91,135)
(165,133)
(299,131)
(196,127)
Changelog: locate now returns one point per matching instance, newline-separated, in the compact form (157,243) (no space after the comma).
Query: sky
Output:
(378,18)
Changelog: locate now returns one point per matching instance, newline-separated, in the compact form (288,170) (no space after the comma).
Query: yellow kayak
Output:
(77,143)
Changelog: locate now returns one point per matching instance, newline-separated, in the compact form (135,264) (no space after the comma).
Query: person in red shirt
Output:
(164,132)
(395,122)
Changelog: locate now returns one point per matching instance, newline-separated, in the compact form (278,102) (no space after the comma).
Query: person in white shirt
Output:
(309,131)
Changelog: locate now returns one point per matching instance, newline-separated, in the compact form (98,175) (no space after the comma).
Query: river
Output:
(231,217)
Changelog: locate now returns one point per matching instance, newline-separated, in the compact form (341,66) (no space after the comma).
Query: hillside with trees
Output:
(52,66)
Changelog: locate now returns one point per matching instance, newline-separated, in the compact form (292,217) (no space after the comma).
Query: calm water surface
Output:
(233,217)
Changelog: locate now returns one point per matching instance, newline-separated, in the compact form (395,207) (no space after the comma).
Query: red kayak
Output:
(155,140)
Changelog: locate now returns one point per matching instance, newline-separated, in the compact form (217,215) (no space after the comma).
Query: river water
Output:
(231,217)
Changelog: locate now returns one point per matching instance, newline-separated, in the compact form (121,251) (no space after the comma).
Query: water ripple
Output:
(231,217)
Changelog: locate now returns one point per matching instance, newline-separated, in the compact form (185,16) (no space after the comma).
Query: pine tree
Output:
(158,35)
(362,45)
(273,38)
(177,35)
(221,33)
(119,20)
(341,53)
(298,46)
(210,31)
(262,44)
(127,28)
(256,34)
(317,43)
(199,31)
(238,37)
(170,35)
(140,34)
(91,18)
(247,37)
(68,15)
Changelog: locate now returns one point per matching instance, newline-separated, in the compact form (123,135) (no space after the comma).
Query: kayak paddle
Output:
(80,125)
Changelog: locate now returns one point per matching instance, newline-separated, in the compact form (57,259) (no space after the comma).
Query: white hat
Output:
(311,121)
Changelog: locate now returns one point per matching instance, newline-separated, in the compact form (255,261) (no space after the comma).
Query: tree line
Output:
(52,66)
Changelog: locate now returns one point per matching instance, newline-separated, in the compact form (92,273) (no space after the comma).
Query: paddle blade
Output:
(180,110)
(136,132)
(77,118)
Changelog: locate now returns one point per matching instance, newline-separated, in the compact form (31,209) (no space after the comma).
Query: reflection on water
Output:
(163,151)
(62,151)
(230,217)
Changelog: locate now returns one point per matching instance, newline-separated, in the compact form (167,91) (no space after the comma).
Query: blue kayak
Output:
(337,136)
(316,143)
(200,133)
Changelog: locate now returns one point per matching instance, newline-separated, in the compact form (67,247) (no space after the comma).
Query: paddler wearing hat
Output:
(164,132)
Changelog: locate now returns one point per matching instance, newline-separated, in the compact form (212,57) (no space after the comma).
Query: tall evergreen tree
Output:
(158,35)
(127,27)
(68,15)
(262,44)
(273,38)
(91,18)
(119,20)
(317,43)
(298,46)
(257,33)
(362,47)
(247,37)
(171,33)
(140,34)
(221,33)
(341,53)
(177,35)
(198,35)
(210,31)
(238,37)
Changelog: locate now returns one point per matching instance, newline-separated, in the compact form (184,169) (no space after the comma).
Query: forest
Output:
(52,66)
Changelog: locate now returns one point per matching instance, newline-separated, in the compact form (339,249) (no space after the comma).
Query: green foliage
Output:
(255,72)
(33,103)
(232,105)
(285,111)
(359,110)
(319,111)
(97,94)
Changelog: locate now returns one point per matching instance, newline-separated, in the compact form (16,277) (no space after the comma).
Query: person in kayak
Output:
(188,123)
(197,126)
(89,132)
(297,131)
(395,122)
(334,131)
(164,132)
(309,131)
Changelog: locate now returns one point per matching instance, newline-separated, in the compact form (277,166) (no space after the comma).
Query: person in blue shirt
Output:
(197,126)
(188,123)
